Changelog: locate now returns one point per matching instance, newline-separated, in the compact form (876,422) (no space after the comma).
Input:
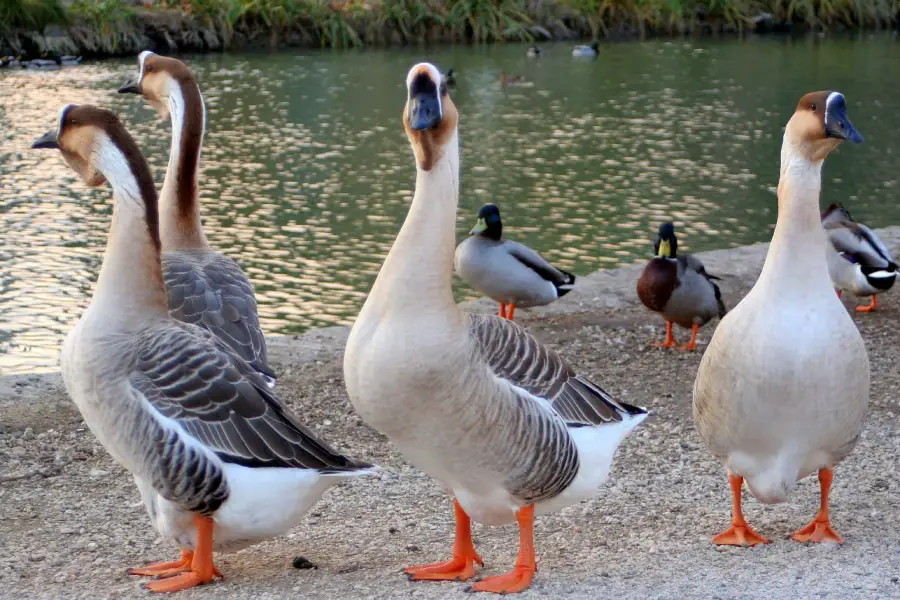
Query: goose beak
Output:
(480,227)
(424,110)
(48,140)
(837,125)
(131,87)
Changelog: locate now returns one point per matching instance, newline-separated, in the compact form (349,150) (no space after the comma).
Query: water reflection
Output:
(306,173)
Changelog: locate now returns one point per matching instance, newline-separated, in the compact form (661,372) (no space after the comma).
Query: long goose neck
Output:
(130,281)
(418,271)
(797,251)
(180,225)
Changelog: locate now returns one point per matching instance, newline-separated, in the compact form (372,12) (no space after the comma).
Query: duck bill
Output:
(665,249)
(837,125)
(480,227)
(131,87)
(424,111)
(46,141)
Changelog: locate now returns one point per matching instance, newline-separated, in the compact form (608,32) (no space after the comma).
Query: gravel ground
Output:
(71,522)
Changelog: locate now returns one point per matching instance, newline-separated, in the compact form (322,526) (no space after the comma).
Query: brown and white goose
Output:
(220,463)
(783,387)
(205,287)
(500,420)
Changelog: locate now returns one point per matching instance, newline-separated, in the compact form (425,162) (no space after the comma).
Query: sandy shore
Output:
(71,522)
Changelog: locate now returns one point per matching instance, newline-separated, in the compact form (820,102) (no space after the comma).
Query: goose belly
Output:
(263,503)
(782,390)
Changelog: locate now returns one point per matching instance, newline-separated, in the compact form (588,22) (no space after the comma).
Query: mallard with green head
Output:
(679,288)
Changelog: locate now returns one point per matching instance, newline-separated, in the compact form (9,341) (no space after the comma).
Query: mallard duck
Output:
(534,51)
(508,272)
(679,288)
(449,78)
(587,51)
(783,387)
(68,60)
(41,64)
(517,80)
(499,419)
(205,287)
(12,62)
(220,463)
(858,261)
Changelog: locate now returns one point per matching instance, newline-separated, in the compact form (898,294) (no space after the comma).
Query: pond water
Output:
(307,174)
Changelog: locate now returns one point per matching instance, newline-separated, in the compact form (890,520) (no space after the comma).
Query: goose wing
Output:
(210,290)
(536,263)
(193,378)
(516,356)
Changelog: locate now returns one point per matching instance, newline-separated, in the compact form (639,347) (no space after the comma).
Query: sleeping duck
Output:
(679,288)
(587,51)
(858,261)
(534,51)
(509,272)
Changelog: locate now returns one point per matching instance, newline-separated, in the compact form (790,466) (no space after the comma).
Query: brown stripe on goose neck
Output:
(110,124)
(186,187)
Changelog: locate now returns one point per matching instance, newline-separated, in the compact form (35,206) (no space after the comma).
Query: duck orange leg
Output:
(163,569)
(670,339)
(871,306)
(691,345)
(820,529)
(459,568)
(201,570)
(739,534)
(520,577)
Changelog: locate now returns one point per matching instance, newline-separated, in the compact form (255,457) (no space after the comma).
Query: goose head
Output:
(666,245)
(82,134)
(488,224)
(430,117)
(819,125)
(156,77)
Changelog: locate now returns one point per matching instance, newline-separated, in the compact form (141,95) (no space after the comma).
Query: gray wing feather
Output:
(210,290)
(858,241)
(192,377)
(534,370)
(535,262)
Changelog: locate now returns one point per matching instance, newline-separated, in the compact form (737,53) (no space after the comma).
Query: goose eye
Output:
(149,69)
(813,107)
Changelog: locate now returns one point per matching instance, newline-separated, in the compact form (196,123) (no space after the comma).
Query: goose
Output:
(858,261)
(587,51)
(220,463)
(500,420)
(534,51)
(205,287)
(508,272)
(517,80)
(679,288)
(783,387)
(449,78)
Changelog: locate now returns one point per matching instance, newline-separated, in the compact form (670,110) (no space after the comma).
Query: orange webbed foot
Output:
(872,306)
(515,581)
(458,568)
(179,582)
(817,532)
(665,344)
(690,346)
(739,535)
(166,569)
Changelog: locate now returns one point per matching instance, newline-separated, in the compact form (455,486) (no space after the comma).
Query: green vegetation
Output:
(113,26)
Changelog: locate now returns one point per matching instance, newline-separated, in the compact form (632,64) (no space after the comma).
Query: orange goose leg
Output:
(820,529)
(502,312)
(511,310)
(201,568)
(739,534)
(459,568)
(670,339)
(691,345)
(869,307)
(520,577)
